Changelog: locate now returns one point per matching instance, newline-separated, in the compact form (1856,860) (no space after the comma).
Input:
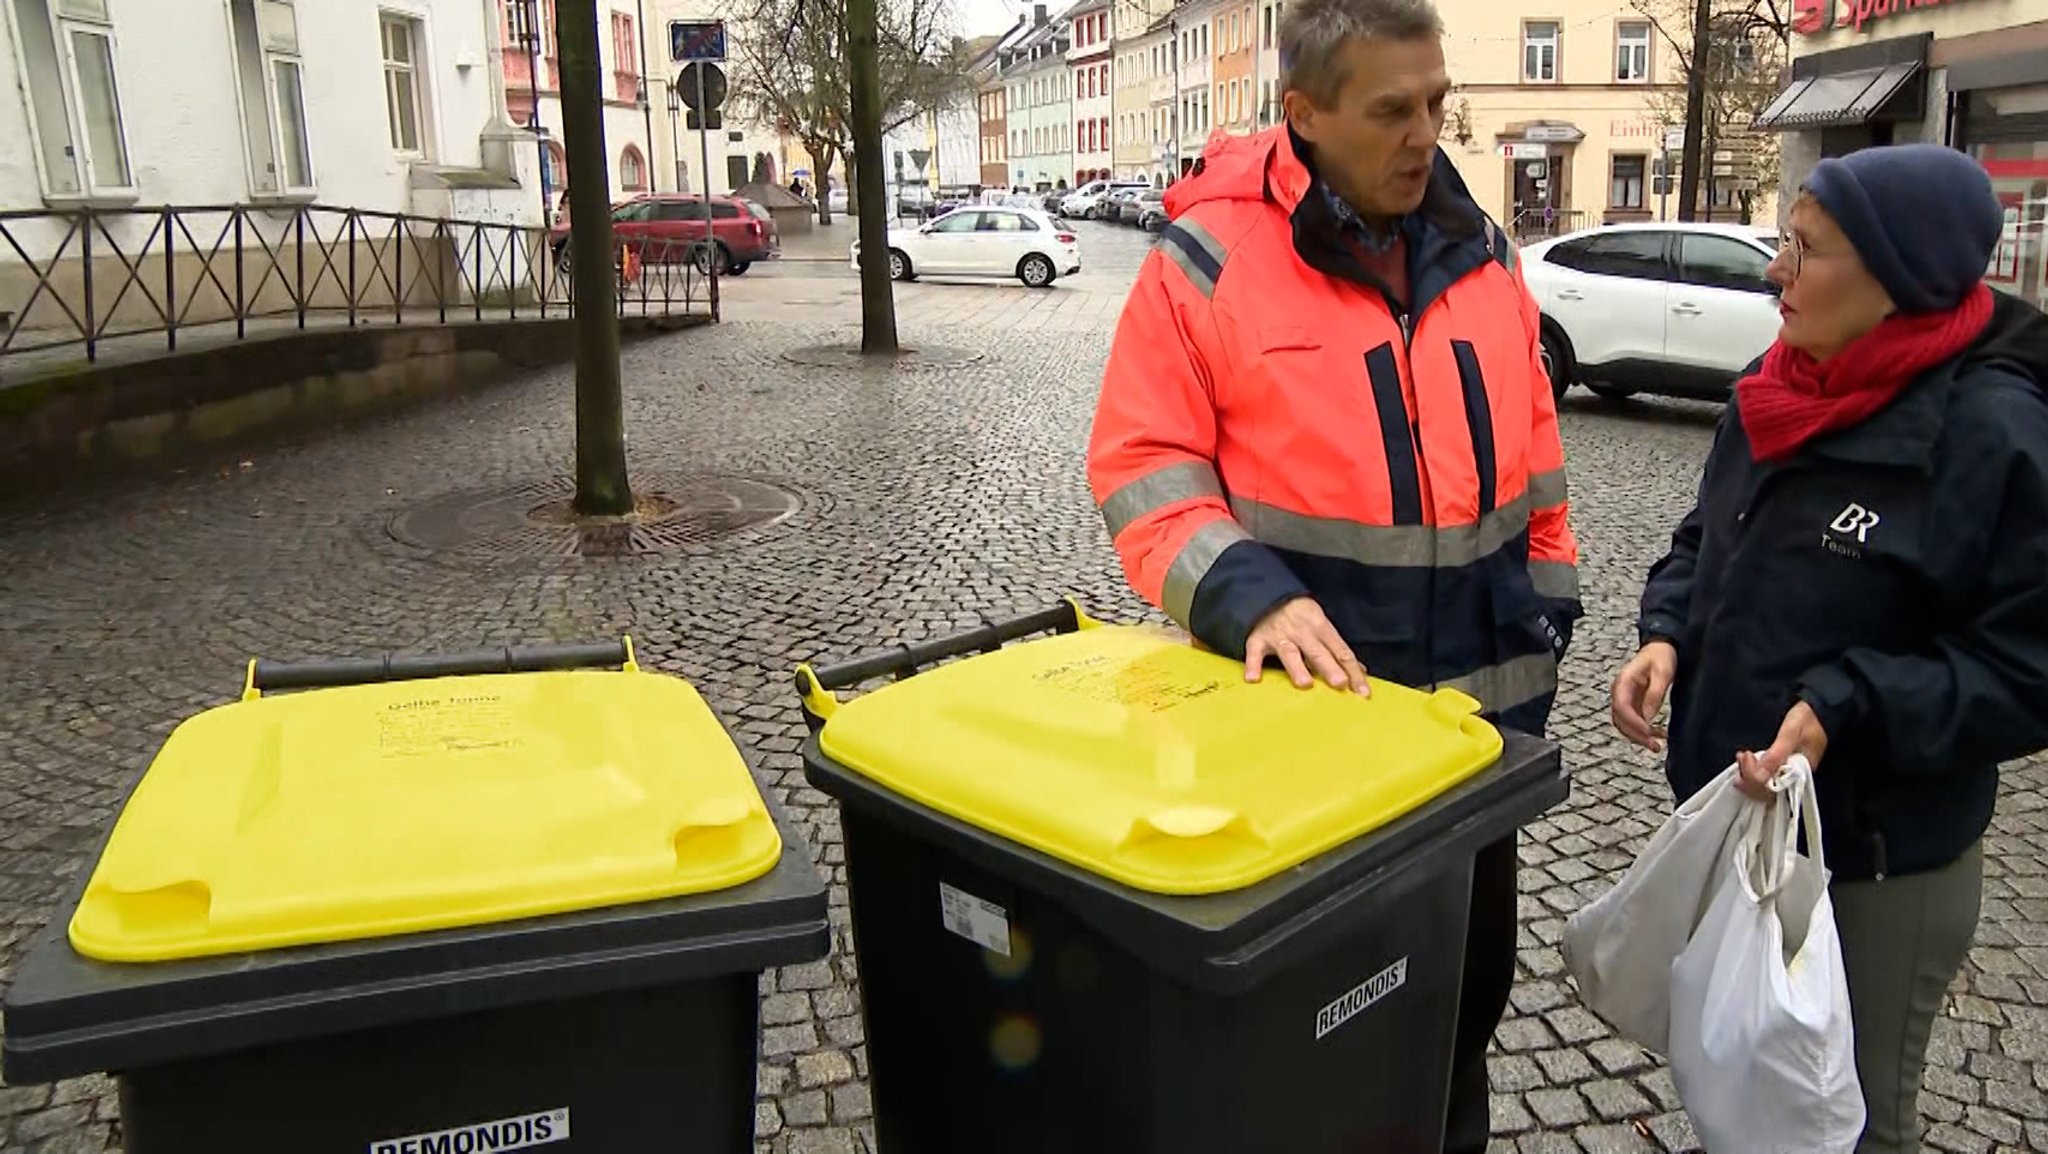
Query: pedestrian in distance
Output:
(1863,579)
(1325,439)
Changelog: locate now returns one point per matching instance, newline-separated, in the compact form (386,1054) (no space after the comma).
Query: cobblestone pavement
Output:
(929,497)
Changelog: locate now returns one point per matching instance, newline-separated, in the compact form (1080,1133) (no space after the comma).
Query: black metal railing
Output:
(1535,224)
(83,278)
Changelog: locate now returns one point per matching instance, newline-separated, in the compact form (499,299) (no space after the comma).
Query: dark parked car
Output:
(1112,207)
(1133,211)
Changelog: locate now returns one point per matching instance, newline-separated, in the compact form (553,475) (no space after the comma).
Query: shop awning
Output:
(1841,100)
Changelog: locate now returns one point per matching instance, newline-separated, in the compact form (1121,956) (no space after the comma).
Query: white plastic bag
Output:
(1763,1053)
(1620,948)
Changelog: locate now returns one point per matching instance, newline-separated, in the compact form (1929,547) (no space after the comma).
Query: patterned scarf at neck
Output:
(1354,226)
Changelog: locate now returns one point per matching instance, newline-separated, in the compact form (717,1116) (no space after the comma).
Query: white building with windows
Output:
(382,105)
(1197,63)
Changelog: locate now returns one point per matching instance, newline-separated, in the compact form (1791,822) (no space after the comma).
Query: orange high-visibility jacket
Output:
(1270,426)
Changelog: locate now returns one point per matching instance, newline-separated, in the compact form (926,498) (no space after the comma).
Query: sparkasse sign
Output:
(1812,17)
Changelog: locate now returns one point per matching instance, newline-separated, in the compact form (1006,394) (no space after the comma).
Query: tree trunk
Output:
(601,485)
(877,300)
(1695,110)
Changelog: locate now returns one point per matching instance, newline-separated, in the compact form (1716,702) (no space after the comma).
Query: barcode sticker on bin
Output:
(984,923)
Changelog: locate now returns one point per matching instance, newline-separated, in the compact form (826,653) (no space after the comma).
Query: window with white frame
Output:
(405,94)
(632,174)
(69,73)
(1632,51)
(1539,51)
(271,82)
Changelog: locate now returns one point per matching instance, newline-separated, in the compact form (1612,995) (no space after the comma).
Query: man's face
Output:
(1375,145)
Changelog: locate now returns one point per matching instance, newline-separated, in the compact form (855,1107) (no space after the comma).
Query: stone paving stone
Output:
(1615,1140)
(1614,1101)
(927,499)
(1510,1116)
(1558,1108)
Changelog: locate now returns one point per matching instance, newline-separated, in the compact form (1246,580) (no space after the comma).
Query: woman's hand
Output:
(1639,691)
(1801,733)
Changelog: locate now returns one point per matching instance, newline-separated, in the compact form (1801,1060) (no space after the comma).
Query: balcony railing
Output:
(89,278)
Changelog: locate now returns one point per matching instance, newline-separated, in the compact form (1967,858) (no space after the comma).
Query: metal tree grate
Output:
(534,521)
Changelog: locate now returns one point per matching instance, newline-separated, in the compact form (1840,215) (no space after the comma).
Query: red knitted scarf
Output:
(1794,398)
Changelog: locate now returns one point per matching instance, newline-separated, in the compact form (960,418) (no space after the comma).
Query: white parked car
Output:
(1671,308)
(984,240)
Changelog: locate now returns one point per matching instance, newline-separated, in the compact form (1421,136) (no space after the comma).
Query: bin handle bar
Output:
(816,684)
(330,672)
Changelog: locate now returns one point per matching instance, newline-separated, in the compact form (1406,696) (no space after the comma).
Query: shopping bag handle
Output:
(1773,828)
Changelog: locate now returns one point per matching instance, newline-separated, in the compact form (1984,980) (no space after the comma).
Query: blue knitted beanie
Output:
(1923,218)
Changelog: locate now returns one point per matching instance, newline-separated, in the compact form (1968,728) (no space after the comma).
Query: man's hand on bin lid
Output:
(1308,648)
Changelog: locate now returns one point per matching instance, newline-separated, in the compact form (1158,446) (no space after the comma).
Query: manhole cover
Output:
(849,356)
(535,521)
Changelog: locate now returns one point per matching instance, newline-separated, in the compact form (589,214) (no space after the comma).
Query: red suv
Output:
(670,227)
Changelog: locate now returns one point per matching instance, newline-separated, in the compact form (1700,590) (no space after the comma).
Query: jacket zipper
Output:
(1407,326)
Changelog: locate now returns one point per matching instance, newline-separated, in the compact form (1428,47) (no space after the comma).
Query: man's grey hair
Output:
(1314,32)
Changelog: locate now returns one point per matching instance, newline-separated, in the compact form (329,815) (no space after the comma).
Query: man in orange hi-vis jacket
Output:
(1325,437)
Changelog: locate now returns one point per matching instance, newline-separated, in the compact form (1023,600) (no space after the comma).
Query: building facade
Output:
(625,56)
(1090,62)
(740,147)
(1232,90)
(380,107)
(1559,122)
(993,99)
(1266,64)
(1971,74)
(1196,107)
(1140,30)
(1041,116)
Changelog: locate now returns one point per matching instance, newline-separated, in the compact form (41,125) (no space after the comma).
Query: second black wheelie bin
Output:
(430,905)
(1110,898)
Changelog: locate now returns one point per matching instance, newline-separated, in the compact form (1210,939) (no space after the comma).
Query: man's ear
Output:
(1301,113)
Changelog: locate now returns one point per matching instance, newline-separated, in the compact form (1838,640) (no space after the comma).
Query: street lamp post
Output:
(525,14)
(675,140)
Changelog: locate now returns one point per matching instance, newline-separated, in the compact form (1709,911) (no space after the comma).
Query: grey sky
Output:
(982,17)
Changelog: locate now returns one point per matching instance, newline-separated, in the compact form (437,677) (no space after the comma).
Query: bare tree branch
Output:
(1745,66)
(791,67)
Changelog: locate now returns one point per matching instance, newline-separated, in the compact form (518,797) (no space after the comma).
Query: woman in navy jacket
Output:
(1864,579)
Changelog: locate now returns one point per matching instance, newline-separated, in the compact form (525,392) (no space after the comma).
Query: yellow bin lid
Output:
(1127,752)
(357,812)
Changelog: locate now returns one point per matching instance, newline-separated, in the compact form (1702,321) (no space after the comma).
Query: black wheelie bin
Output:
(453,904)
(1110,898)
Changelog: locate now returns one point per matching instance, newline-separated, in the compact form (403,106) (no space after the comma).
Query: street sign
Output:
(1674,139)
(920,157)
(701,81)
(1559,132)
(696,40)
(696,123)
(1519,151)
(1737,184)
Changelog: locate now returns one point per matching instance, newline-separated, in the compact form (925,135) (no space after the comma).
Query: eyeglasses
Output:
(1796,249)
